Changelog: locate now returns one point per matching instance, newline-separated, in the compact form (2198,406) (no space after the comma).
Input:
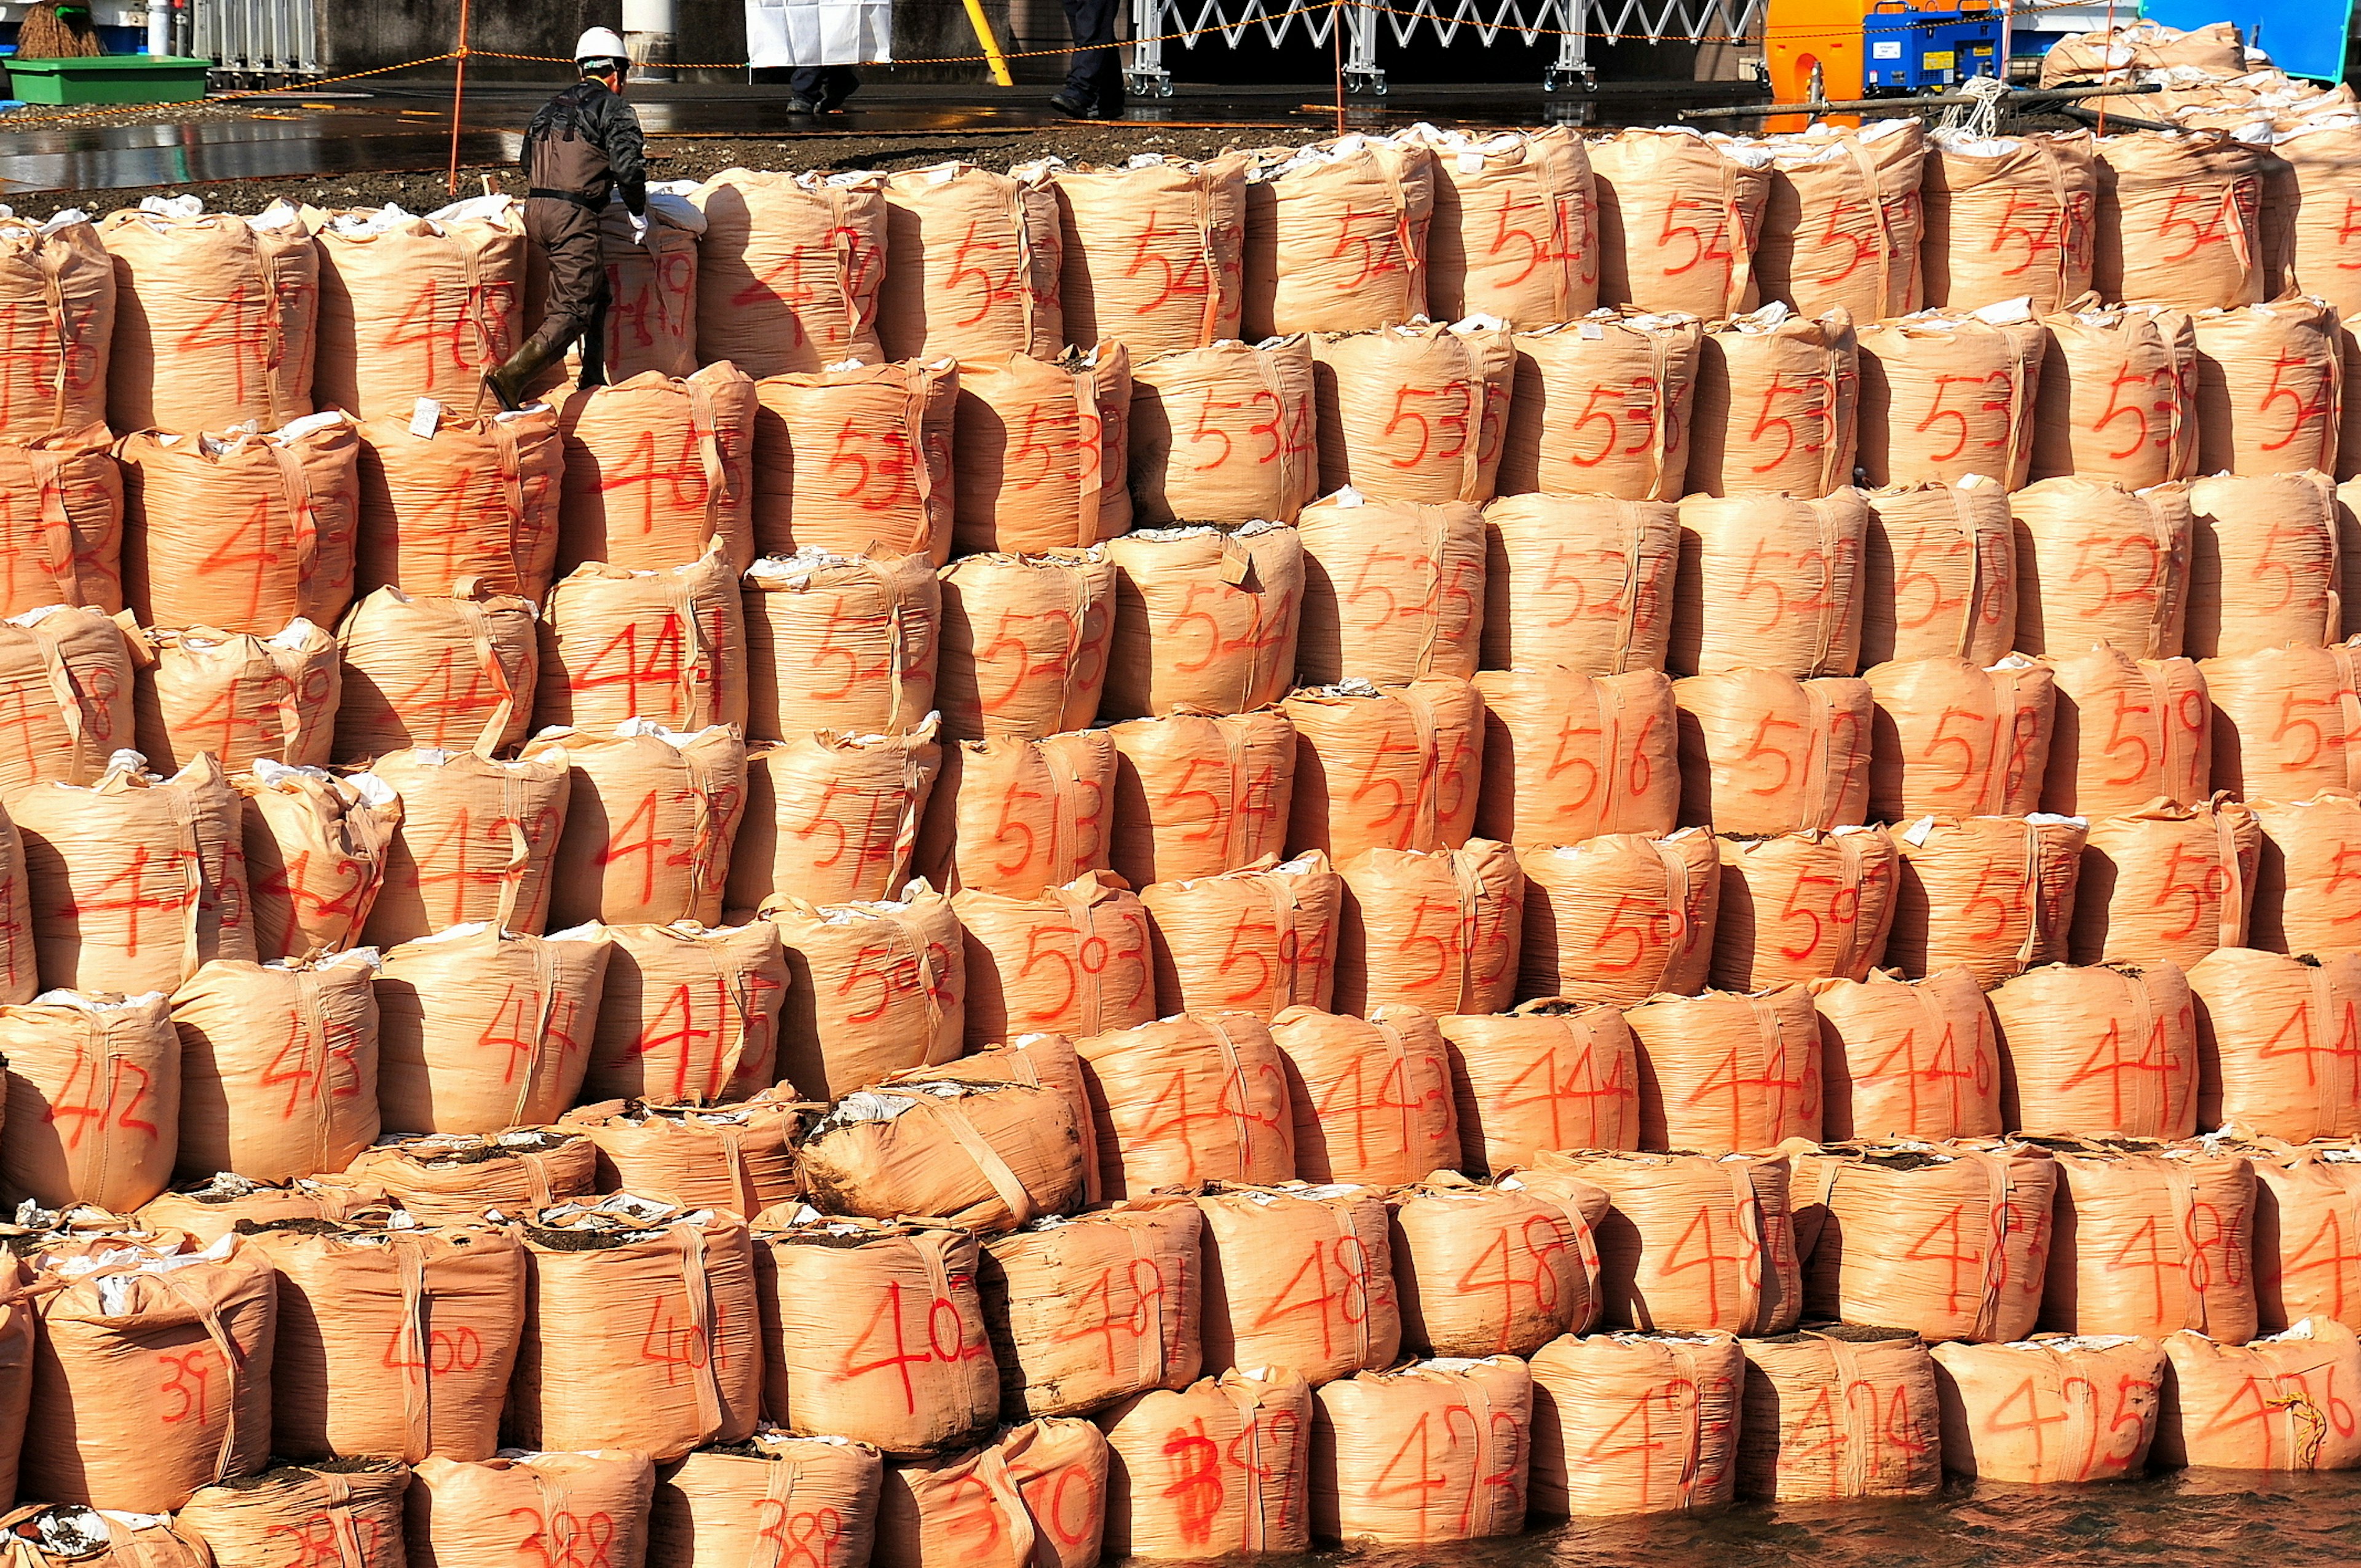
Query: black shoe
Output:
(834,103)
(1073,106)
(802,106)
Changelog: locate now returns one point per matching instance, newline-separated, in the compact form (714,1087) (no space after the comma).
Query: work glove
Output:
(639,227)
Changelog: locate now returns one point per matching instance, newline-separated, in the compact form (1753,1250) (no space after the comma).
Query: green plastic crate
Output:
(109,79)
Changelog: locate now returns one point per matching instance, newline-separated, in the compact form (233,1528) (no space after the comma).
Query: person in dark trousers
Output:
(584,147)
(821,89)
(1094,88)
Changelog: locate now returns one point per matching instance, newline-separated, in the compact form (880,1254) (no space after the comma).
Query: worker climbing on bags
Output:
(582,146)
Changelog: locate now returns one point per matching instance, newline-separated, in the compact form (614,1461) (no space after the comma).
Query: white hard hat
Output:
(599,43)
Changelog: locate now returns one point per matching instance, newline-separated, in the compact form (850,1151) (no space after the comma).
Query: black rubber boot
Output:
(594,348)
(509,382)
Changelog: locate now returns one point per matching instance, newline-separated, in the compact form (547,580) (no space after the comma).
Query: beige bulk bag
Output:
(1581,581)
(2255,1009)
(449,1178)
(1841,221)
(820,1496)
(1939,573)
(480,1028)
(1728,1071)
(2179,219)
(93,1100)
(2283,722)
(475,496)
(1550,1074)
(1372,1098)
(480,1515)
(2052,1409)
(1415,414)
(1437,929)
(855,460)
(2264,564)
(735,1157)
(209,1209)
(1041,446)
(1198,793)
(1907,1058)
(214,317)
(1944,395)
(1951,740)
(1803,906)
(1154,251)
(1473,1423)
(687,1014)
(1769,581)
(1482,1270)
(66,688)
(1203,619)
(1385,767)
(1336,235)
(1763,752)
(618,643)
(840,642)
(2101,1049)
(2009,217)
(1218,1468)
(1993,893)
(414,307)
(244,532)
(831,816)
(151,1375)
(2304,1220)
(2269,383)
(476,839)
(1568,756)
(1601,406)
(1690,1241)
(1224,433)
(1044,1061)
(659,469)
(640,1325)
(788,267)
(391,1342)
(1392,590)
(1619,918)
(1060,1466)
(1188,1099)
(136,880)
(1257,939)
(240,697)
(1848,1414)
(2149,1241)
(956,1509)
(1514,229)
(971,263)
(2113,53)
(1299,1276)
(872,989)
(986,1156)
(2100,562)
(2118,394)
(2269,1405)
(650,814)
(2319,154)
(436,672)
(1088,1311)
(2168,882)
(1071,960)
(277,1067)
(2305,898)
(61,524)
(1678,217)
(1023,649)
(1586,1393)
(1017,817)
(2125,730)
(58,292)
(1776,404)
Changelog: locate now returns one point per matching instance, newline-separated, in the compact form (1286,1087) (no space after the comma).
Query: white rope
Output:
(1978,111)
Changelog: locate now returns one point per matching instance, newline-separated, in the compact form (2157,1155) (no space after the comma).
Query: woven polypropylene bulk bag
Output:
(2095,1398)
(463,1515)
(446,1178)
(1224,433)
(1513,234)
(956,1507)
(2103,1049)
(1585,1392)
(437,671)
(2270,382)
(391,1342)
(1023,645)
(1198,793)
(618,643)
(1203,619)
(1258,938)
(1581,581)
(66,685)
(698,1154)
(1086,1310)
(1844,1414)
(1476,1417)
(2319,153)
(1042,1061)
(1437,929)
(2255,1011)
(2304,901)
(2283,722)
(1678,217)
(174,1348)
(2263,563)
(1907,1058)
(136,880)
(1550,1074)
(1993,893)
(855,459)
(971,263)
(480,1028)
(1483,1271)
(984,1156)
(1763,752)
(1392,590)
(2304,1259)
(214,316)
(1154,251)
(1372,1097)
(2147,1241)
(1336,235)
(658,469)
(1018,816)
(1324,1251)
(1042,446)
(840,642)
(2118,397)
(688,1013)
(209,1209)
(788,267)
(1060,1465)
(1803,906)
(1945,395)
(1071,959)
(1385,767)
(1775,403)
(2009,217)
(2097,561)
(1619,918)
(459,497)
(831,816)
(351,1512)
(93,1100)
(874,988)
(240,697)
(1569,756)
(1690,1241)
(58,295)
(817,1499)
(413,307)
(650,817)
(2179,218)
(277,1067)
(61,522)
(2114,52)
(1841,221)
(2125,730)
(2216,1414)
(641,1325)
(1769,581)
(1949,739)
(1416,414)
(1218,1467)
(1939,573)
(476,839)
(1601,406)
(2166,881)
(1727,1070)
(1187,1100)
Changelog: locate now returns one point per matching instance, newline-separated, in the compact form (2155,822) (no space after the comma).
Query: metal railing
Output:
(252,41)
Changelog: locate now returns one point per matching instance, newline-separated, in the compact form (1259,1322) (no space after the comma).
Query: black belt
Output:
(593,205)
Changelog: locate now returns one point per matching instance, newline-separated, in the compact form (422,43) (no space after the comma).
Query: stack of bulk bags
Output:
(1336,235)
(1841,222)
(1678,217)
(2112,52)
(971,263)
(1601,405)
(414,307)
(1154,252)
(1224,433)
(2009,217)
(214,316)
(1041,449)
(1776,404)
(1415,414)
(788,269)
(57,298)
(658,469)
(855,459)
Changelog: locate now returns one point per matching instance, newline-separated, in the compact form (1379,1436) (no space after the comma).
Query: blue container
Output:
(1915,51)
